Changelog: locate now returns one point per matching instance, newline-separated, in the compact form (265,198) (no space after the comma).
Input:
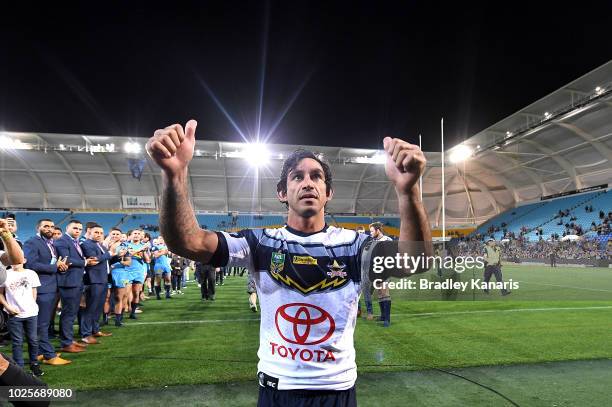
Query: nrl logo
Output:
(336,270)
(277,264)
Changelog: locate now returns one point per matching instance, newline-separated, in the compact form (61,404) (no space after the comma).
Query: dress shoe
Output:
(72,348)
(40,358)
(80,345)
(56,361)
(90,340)
(102,334)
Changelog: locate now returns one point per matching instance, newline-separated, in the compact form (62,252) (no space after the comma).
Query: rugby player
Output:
(307,273)
(162,267)
(137,269)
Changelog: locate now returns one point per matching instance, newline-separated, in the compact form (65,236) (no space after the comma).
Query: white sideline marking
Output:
(490,311)
(197,321)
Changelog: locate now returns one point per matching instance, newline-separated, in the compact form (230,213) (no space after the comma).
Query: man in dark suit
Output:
(41,256)
(96,281)
(70,284)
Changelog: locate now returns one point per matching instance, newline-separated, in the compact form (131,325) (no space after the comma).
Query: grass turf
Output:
(546,384)
(185,341)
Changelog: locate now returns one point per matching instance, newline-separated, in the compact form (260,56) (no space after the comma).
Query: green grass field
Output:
(184,341)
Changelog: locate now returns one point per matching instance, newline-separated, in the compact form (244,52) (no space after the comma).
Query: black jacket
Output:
(14,375)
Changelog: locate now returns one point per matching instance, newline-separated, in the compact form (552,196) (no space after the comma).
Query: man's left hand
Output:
(405,164)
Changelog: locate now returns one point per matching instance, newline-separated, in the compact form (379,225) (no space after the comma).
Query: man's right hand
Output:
(172,148)
(11,310)
(62,264)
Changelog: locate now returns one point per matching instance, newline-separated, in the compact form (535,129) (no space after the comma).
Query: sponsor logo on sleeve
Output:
(306,260)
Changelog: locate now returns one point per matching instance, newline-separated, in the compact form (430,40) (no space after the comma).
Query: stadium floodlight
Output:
(599,90)
(256,154)
(6,142)
(508,133)
(460,153)
(131,147)
(547,115)
(11,143)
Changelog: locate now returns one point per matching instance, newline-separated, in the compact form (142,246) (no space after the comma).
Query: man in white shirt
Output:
(307,273)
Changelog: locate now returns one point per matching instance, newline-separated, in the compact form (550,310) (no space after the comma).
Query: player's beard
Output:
(306,211)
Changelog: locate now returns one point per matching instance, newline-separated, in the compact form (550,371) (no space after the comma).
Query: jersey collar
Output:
(302,234)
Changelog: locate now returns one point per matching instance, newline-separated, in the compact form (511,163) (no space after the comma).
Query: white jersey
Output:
(309,286)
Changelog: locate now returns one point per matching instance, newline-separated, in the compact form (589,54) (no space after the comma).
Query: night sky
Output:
(344,74)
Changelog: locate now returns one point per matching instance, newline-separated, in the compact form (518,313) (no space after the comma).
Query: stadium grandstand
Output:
(512,177)
(537,181)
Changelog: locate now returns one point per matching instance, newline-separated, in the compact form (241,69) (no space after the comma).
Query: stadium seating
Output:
(150,221)
(532,216)
(545,215)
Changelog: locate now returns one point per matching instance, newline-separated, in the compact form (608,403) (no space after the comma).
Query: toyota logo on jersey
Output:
(304,324)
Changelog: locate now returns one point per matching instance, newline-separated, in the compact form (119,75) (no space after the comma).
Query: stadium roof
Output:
(559,143)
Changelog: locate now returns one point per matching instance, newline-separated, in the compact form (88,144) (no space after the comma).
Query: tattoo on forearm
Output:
(177,220)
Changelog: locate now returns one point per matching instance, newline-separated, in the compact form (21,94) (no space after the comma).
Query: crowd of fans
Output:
(517,249)
(600,227)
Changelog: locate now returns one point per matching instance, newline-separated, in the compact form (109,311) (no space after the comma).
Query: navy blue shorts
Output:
(269,397)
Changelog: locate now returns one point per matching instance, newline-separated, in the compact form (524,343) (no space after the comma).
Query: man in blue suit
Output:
(70,284)
(41,256)
(96,283)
